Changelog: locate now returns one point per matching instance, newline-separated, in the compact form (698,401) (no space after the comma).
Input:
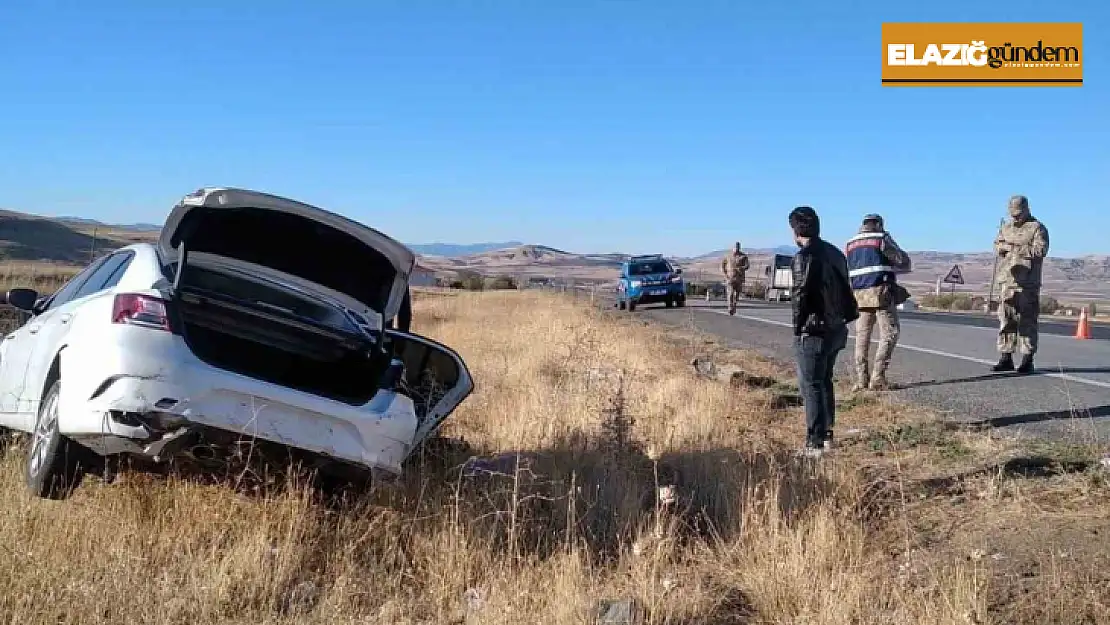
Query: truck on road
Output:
(779,277)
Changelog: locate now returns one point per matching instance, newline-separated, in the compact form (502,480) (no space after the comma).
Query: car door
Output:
(435,378)
(55,328)
(16,349)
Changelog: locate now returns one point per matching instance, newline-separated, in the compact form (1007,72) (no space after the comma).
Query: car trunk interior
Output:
(292,244)
(264,332)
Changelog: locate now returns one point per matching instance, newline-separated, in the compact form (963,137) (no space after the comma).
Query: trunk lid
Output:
(323,248)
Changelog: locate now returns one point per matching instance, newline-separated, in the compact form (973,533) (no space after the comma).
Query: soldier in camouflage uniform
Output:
(873,261)
(1022,245)
(735,267)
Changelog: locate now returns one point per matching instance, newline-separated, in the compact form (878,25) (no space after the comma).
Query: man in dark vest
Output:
(873,261)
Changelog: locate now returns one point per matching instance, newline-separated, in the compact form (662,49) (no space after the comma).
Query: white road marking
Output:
(935,352)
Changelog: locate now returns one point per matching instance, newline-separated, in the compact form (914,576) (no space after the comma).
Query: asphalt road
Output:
(943,361)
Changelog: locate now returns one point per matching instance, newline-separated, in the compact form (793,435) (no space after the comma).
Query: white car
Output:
(253,318)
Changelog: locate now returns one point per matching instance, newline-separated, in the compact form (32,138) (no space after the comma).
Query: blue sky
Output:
(615,125)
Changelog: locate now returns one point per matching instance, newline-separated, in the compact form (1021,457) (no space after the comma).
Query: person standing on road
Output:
(735,267)
(1022,244)
(873,261)
(823,306)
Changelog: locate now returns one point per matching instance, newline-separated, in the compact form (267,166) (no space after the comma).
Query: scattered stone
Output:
(732,375)
(738,378)
(703,366)
(1105,462)
(782,401)
(620,612)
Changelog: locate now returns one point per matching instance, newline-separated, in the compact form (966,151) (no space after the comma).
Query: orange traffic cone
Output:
(1083,330)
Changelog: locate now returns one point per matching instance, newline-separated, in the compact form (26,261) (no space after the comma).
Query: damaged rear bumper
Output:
(158,416)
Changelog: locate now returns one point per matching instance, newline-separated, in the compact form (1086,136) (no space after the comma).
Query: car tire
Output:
(670,303)
(680,302)
(622,305)
(631,306)
(53,466)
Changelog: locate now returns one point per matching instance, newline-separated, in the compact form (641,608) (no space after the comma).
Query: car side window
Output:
(65,294)
(116,275)
(99,279)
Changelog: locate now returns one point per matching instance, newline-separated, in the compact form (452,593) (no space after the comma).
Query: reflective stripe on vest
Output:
(867,266)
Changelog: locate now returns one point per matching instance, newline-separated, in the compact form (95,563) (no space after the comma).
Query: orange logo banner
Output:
(999,54)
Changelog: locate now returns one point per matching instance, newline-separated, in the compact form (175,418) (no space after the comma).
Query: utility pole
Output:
(92,246)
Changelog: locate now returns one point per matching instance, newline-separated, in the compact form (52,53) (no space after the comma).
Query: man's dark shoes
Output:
(812,449)
(1026,366)
(1006,363)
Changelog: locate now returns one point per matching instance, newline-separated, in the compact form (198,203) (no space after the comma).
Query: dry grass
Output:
(43,277)
(595,413)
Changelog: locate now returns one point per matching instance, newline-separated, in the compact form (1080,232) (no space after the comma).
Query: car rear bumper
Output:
(157,385)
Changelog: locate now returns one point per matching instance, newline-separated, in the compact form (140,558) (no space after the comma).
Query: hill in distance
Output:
(26,237)
(92,223)
(71,240)
(456,249)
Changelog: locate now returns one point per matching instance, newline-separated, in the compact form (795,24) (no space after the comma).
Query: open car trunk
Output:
(338,258)
(284,291)
(267,331)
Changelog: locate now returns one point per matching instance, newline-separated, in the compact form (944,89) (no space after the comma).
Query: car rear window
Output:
(642,269)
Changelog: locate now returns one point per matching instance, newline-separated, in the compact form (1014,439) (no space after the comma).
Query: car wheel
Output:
(52,459)
(621,305)
(631,306)
(670,303)
(681,302)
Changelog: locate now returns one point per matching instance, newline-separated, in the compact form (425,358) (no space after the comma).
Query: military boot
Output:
(878,377)
(879,382)
(1026,365)
(1005,363)
(861,378)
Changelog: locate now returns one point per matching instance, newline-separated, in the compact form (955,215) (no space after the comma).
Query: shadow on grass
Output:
(592,492)
(1030,467)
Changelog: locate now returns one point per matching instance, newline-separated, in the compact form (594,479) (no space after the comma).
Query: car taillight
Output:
(140,310)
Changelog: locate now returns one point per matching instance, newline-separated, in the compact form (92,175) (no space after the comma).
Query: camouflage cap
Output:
(1019,201)
(875,217)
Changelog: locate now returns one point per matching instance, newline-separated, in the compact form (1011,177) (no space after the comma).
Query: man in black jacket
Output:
(823,306)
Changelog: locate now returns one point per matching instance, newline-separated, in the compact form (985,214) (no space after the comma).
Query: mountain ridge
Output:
(73,240)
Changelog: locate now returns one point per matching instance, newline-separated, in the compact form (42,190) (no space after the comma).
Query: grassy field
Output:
(624,474)
(43,277)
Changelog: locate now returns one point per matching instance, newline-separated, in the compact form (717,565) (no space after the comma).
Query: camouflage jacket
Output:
(1022,249)
(735,266)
